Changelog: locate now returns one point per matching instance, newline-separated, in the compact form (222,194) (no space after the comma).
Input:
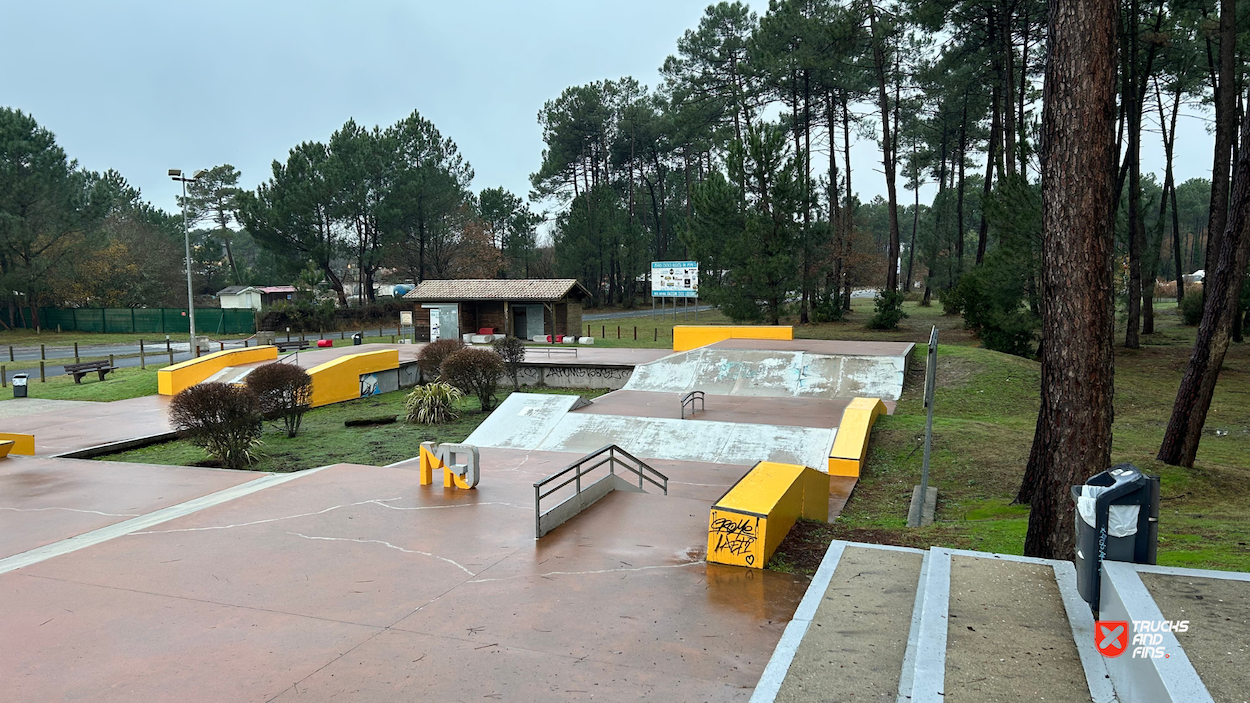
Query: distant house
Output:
(521,308)
(254,297)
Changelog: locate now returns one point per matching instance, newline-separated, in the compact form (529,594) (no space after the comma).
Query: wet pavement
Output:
(91,424)
(357,583)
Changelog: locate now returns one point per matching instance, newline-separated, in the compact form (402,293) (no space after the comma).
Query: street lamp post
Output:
(176,174)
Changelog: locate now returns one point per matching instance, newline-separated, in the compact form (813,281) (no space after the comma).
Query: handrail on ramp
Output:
(583,497)
(689,399)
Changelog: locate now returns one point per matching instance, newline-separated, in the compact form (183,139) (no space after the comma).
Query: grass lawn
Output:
(118,385)
(323,439)
(985,411)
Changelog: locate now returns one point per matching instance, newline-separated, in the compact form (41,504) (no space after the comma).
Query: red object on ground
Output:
(559,338)
(486,330)
(325,342)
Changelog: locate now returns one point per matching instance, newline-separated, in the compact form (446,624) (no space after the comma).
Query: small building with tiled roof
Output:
(254,297)
(527,308)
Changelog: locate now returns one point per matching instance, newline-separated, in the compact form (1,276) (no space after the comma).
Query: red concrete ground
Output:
(91,425)
(47,500)
(832,347)
(798,412)
(356,583)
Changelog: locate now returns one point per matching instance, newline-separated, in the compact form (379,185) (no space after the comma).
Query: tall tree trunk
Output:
(1008,78)
(1222,287)
(959,195)
(1073,436)
(1168,126)
(835,213)
(990,157)
(887,150)
(1135,235)
(1225,131)
(848,230)
(915,220)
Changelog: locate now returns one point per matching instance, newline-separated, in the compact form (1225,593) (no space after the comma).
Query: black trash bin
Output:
(1117,519)
(357,339)
(19,385)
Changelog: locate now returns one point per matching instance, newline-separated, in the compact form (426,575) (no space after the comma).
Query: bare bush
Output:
(512,351)
(284,392)
(224,420)
(430,359)
(474,371)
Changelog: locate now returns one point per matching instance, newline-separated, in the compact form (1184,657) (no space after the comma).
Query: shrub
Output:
(432,403)
(223,419)
(432,355)
(993,299)
(1191,307)
(474,371)
(887,311)
(283,391)
(512,351)
(827,307)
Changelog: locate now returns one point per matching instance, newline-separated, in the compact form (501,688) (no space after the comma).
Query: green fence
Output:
(208,321)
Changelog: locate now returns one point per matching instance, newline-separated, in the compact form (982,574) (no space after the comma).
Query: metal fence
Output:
(208,321)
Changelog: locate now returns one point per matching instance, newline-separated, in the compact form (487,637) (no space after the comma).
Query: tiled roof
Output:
(275,289)
(542,289)
(231,290)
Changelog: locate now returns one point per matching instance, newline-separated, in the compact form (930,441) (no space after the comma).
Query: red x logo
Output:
(1111,637)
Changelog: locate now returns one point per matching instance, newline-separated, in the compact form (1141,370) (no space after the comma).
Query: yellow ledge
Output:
(850,445)
(687,337)
(172,380)
(339,380)
(748,523)
(19,443)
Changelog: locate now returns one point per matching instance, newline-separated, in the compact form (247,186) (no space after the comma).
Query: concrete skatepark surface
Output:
(767,368)
(92,424)
(356,582)
(548,423)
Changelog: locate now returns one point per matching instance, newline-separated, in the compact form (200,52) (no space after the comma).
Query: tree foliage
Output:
(224,419)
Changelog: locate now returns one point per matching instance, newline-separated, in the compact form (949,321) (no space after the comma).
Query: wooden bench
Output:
(82,369)
(291,344)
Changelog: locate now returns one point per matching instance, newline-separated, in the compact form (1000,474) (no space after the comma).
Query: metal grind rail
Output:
(583,497)
(689,399)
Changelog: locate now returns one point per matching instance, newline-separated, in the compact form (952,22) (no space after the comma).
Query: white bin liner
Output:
(1121,519)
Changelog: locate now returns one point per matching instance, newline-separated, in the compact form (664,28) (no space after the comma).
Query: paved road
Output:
(681,312)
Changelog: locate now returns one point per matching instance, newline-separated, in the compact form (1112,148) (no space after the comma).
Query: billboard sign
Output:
(675,279)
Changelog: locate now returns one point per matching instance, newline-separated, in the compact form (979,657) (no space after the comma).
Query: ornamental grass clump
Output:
(432,404)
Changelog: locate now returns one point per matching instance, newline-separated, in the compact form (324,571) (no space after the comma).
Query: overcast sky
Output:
(143,87)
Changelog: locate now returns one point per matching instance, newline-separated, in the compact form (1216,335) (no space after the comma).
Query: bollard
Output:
(635,333)
(221,346)
(142,362)
(603,331)
(4,376)
(341,334)
(75,352)
(392,339)
(655,334)
(11,353)
(41,354)
(171,353)
(110,359)
(41,376)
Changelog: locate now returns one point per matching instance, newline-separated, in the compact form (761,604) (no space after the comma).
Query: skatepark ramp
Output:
(774,373)
(585,492)
(546,423)
(748,523)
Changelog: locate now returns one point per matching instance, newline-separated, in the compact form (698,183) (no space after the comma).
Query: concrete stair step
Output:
(888,623)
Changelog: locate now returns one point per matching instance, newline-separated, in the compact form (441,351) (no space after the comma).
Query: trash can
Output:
(19,385)
(357,339)
(1117,519)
